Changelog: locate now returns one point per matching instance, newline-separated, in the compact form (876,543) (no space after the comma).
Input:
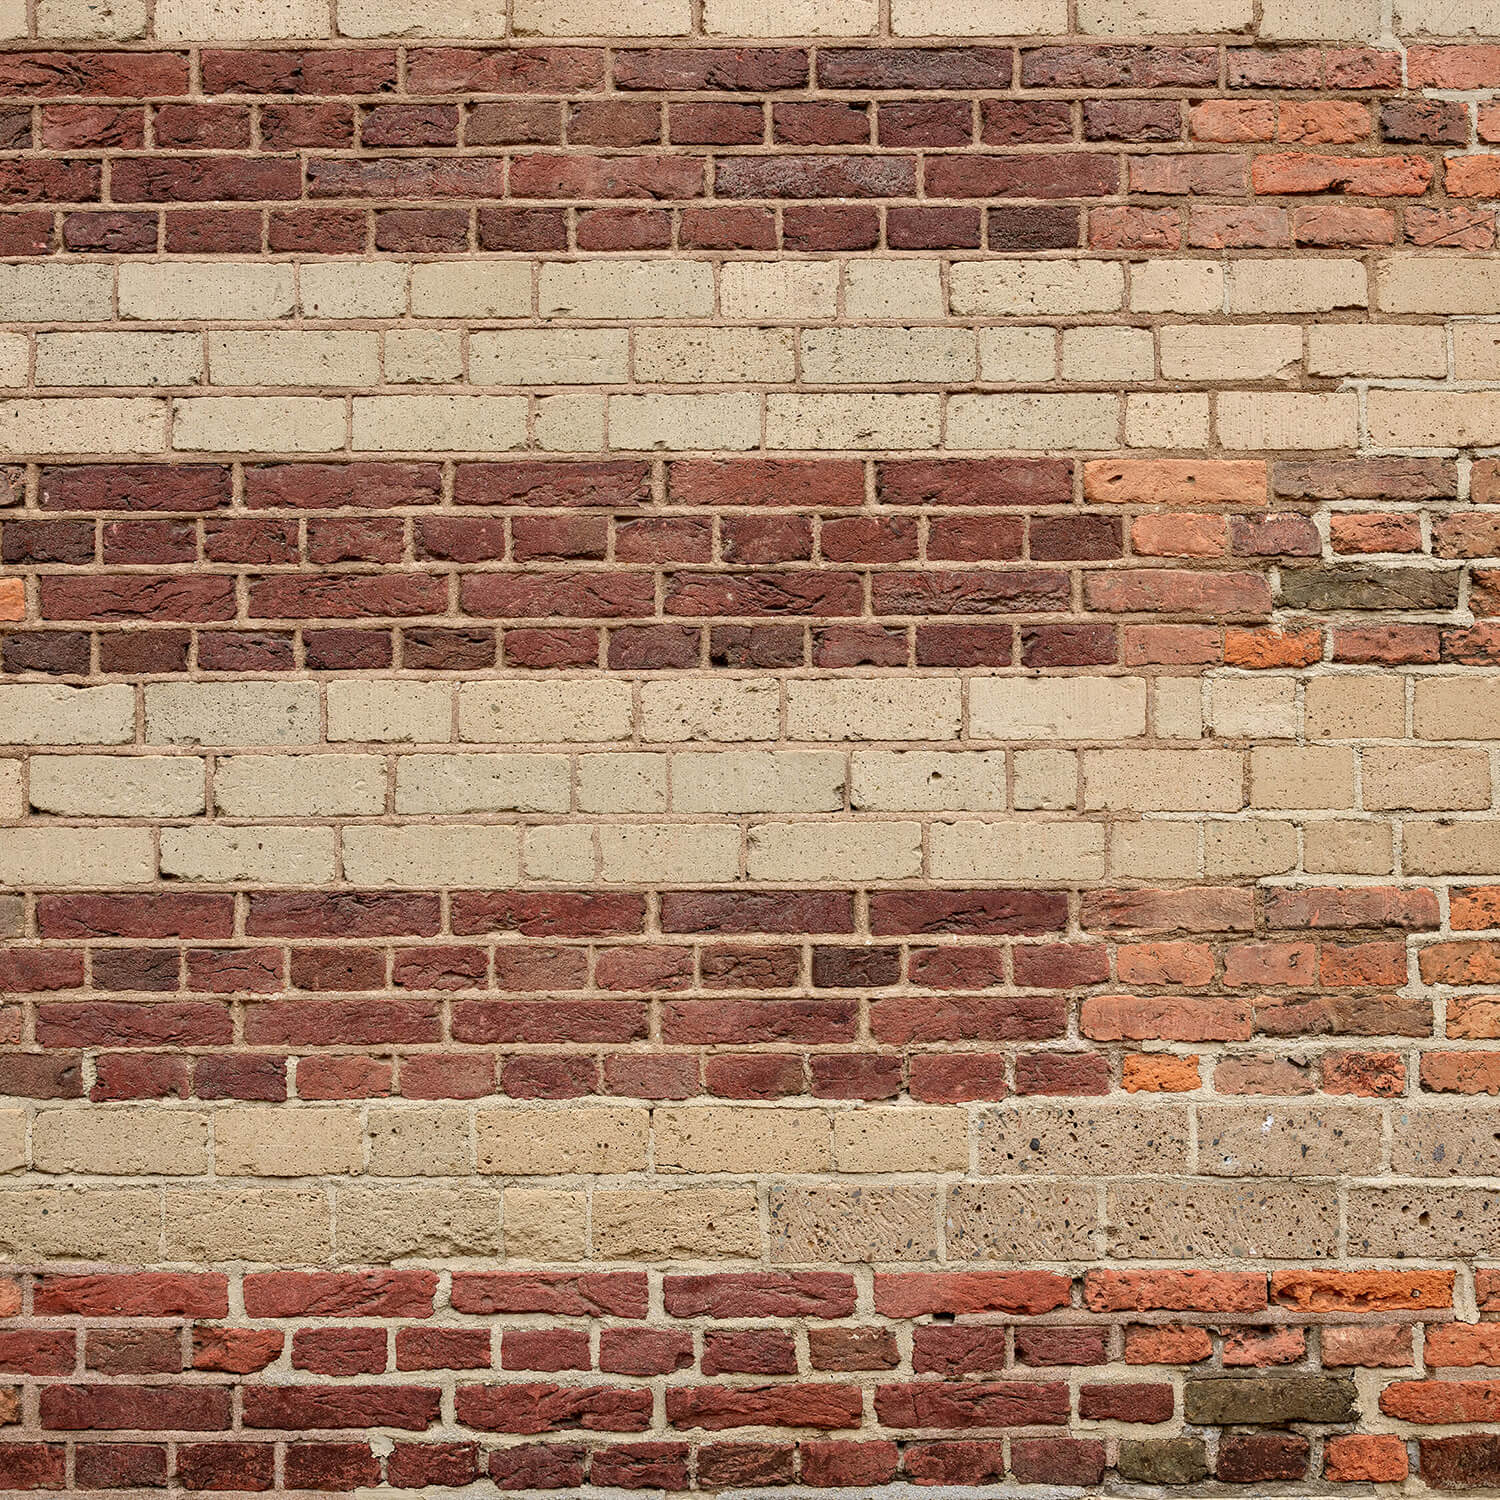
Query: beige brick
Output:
(559,852)
(15,355)
(520,1142)
(471,289)
(884,356)
(1257,846)
(260,424)
(783,290)
(482,783)
(549,356)
(1107,355)
(381,18)
(675,853)
(978,17)
(758,781)
(261,856)
(854,1223)
(743,708)
(276,1141)
(901,1140)
(1320,20)
(439,423)
(311,786)
(1310,285)
(1340,847)
(422,1141)
(1261,707)
(570,423)
(1288,1140)
(997,850)
(1177,708)
(888,290)
(81,424)
(1153,849)
(12,805)
(1276,419)
(627,782)
(873,709)
(727,420)
(928,780)
(712,356)
(121,1142)
(692,1223)
(169,291)
(1156,17)
(1166,419)
(1163,780)
(1045,780)
(1384,349)
(49,292)
(1034,421)
(279,1226)
(1437,284)
(833,851)
(1434,419)
(1301,776)
(241,714)
(1177,286)
(431,355)
(1019,288)
(50,856)
(516,713)
(45,713)
(1057,708)
(627,290)
(1358,706)
(379,1225)
(1237,1221)
(1017,355)
(118,359)
(728,1139)
(602,17)
(1476,351)
(12,1140)
(1445,18)
(117,786)
(1450,847)
(790,17)
(1427,779)
(867,419)
(1451,708)
(1231,353)
(240,20)
(81,1223)
(283,357)
(1081,1140)
(81,20)
(1021,1221)
(369,709)
(339,289)
(545,1224)
(1445,1142)
(452,854)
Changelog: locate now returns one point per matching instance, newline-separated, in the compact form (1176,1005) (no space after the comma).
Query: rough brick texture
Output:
(749,742)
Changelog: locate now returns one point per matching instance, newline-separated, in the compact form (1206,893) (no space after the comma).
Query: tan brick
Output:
(513,713)
(260,424)
(482,783)
(1454,708)
(545,1224)
(1153,850)
(1177,708)
(379,1225)
(339,289)
(117,786)
(703,356)
(901,1140)
(1433,419)
(1428,779)
(1045,779)
(871,709)
(411,18)
(439,423)
(1231,354)
(602,17)
(45,713)
(1257,846)
(996,850)
(1057,708)
(1299,286)
(1177,286)
(757,289)
(560,853)
(1155,17)
(1284,1140)
(570,423)
(833,851)
(82,20)
(758,781)
(1375,349)
(790,17)
(1354,706)
(82,424)
(240,20)
(1276,419)
(1341,847)
(696,1223)
(122,1142)
(1261,707)
(712,1138)
(420,712)
(727,420)
(283,357)
(889,290)
(1087,1140)
(729,709)
(978,17)
(1107,354)
(169,291)
(549,356)
(1438,18)
(89,1223)
(1166,419)
(519,1142)
(268,855)
(627,290)
(118,359)
(1020,355)
(432,355)
(471,289)
(15,355)
(670,852)
(867,419)
(1163,780)
(1020,288)
(12,1140)
(928,781)
(1450,848)
(240,714)
(1021,1221)
(1416,1221)
(1301,776)
(313,786)
(12,805)
(849,1224)
(252,1140)
(880,356)
(1022,421)
(1437,284)
(422,1141)
(277,1225)
(49,856)
(1334,20)
(1445,1143)
(1240,1221)
(432,854)
(627,782)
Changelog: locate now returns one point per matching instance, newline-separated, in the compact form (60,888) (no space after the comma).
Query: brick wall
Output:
(749,741)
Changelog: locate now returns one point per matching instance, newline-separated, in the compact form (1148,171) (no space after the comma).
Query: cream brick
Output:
(482,783)
(928,781)
(1045,780)
(1434,419)
(743,708)
(730,420)
(344,289)
(518,713)
(627,290)
(369,709)
(260,856)
(283,357)
(602,17)
(260,424)
(1451,847)
(1320,20)
(1387,349)
(118,359)
(549,356)
(378,1225)
(1163,780)
(571,423)
(520,1142)
(1338,847)
(872,709)
(1022,287)
(1107,355)
(418,355)
(1234,354)
(673,853)
(1166,419)
(45,713)
(242,714)
(120,1142)
(1158,17)
(276,1141)
(281,1226)
(1017,355)
(1354,706)
(87,1223)
(979,17)
(728,1139)
(1438,284)
(432,854)
(397,18)
(15,355)
(1057,708)
(559,852)
(1261,707)
(1153,849)
(117,786)
(692,1223)
(758,781)
(853,1223)
(892,290)
(715,356)
(49,856)
(790,17)
(1476,351)
(426,1141)
(81,20)
(49,292)
(900,1140)
(1447,18)
(622,783)
(1275,419)
(545,1224)
(888,356)
(240,20)
(864,420)
(73,424)
(471,289)
(169,291)
(439,423)
(311,786)
(998,850)
(1302,286)
(1176,286)
(782,290)
(1430,780)
(12,801)
(833,851)
(1255,847)
(1449,708)
(1033,421)
(1301,776)
(1177,708)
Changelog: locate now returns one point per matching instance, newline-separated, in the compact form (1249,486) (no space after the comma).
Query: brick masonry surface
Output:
(749,743)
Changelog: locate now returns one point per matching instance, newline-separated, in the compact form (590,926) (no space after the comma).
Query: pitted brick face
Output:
(748,745)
